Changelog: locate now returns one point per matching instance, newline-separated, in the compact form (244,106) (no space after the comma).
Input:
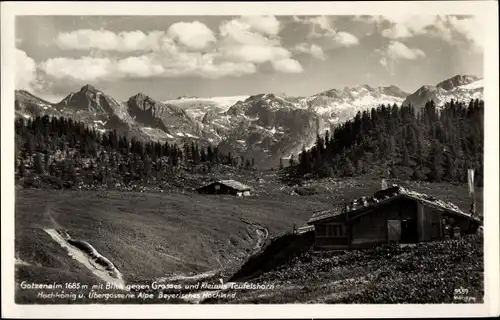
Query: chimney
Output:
(384,184)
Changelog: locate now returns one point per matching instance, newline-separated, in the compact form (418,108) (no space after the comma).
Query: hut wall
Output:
(331,234)
(372,226)
(432,224)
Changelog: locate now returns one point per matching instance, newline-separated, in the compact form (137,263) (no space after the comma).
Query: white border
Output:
(488,10)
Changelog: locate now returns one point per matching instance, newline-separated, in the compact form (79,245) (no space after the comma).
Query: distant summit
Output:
(459,87)
(456,81)
(89,99)
(89,88)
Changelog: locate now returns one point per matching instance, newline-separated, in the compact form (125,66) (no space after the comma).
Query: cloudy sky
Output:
(169,56)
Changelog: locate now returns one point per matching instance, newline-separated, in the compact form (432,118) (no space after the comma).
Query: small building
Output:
(395,215)
(226,187)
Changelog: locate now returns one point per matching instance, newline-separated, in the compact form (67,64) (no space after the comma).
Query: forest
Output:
(386,141)
(66,153)
(396,142)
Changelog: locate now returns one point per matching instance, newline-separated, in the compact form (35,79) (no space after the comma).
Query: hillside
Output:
(449,271)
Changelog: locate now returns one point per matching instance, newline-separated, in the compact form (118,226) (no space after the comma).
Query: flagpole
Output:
(470,178)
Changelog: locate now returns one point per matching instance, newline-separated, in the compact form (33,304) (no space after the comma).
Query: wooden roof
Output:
(385,196)
(232,184)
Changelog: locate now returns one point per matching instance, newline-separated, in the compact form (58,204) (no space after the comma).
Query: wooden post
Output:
(420,221)
(348,226)
(440,226)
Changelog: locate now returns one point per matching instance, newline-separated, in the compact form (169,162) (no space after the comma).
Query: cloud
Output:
(141,67)
(404,26)
(312,49)
(25,71)
(320,26)
(452,29)
(237,31)
(398,50)
(254,39)
(322,29)
(194,35)
(255,54)
(268,25)
(469,28)
(105,40)
(186,49)
(86,69)
(346,39)
(91,69)
(287,66)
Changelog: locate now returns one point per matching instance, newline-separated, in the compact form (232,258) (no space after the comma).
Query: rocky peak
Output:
(89,99)
(89,88)
(141,99)
(458,80)
(393,91)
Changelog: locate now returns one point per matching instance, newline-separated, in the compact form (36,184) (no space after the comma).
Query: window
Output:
(331,230)
(320,230)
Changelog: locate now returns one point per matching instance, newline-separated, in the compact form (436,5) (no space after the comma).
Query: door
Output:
(409,231)
(394,230)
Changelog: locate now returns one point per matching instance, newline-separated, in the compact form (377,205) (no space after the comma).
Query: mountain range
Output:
(264,126)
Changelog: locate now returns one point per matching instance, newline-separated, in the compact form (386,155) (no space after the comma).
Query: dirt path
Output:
(90,258)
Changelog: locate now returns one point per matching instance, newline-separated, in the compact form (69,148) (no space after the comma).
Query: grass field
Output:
(147,236)
(448,271)
(153,235)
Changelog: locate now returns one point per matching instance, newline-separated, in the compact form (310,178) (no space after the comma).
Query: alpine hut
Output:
(226,187)
(394,214)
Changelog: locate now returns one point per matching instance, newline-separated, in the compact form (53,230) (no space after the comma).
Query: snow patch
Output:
(93,260)
(473,85)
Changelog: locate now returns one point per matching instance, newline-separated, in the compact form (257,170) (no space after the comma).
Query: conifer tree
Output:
(38,164)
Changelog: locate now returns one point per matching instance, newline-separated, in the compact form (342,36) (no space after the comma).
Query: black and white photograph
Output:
(251,158)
